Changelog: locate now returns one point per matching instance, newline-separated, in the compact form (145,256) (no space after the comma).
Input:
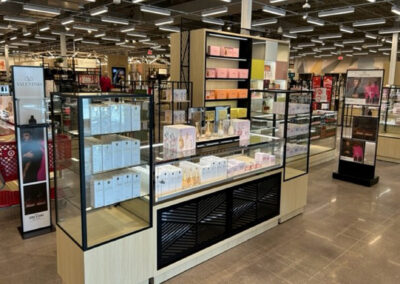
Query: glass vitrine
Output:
(103,187)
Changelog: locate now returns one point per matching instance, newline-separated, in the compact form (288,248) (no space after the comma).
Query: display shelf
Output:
(226,58)
(226,79)
(104,190)
(218,100)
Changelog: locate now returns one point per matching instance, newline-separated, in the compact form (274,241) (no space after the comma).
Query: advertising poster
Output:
(363,87)
(320,95)
(365,127)
(352,150)
(7,109)
(316,82)
(118,76)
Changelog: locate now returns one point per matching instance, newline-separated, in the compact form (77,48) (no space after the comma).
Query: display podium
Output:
(359,135)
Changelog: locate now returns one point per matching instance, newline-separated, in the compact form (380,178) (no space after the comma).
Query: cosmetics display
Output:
(223,51)
(175,116)
(176,95)
(223,94)
(179,138)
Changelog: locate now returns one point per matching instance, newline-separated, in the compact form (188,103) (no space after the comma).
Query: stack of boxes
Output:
(179,138)
(223,51)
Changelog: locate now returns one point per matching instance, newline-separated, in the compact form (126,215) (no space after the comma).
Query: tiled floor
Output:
(348,234)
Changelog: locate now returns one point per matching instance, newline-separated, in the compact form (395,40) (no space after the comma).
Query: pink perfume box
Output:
(210,73)
(233,73)
(214,50)
(221,72)
(243,73)
(234,52)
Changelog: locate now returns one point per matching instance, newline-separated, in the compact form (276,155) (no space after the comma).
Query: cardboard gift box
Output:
(221,94)
(235,52)
(211,73)
(179,137)
(242,93)
(210,95)
(232,93)
(241,127)
(243,73)
(214,50)
(221,72)
(233,73)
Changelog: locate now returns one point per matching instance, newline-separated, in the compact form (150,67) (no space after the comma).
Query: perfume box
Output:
(136,184)
(135,151)
(210,95)
(180,95)
(117,154)
(221,94)
(126,117)
(214,50)
(88,159)
(105,126)
(95,119)
(241,127)
(211,73)
(242,93)
(126,191)
(179,138)
(221,73)
(107,160)
(97,158)
(126,152)
(108,190)
(97,193)
(115,117)
(234,52)
(243,73)
(135,115)
(118,186)
(233,73)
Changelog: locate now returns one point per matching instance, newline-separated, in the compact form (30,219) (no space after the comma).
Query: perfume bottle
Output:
(220,129)
(208,129)
(198,130)
(231,131)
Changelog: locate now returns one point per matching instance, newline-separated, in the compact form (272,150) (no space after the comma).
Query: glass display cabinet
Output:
(221,161)
(103,191)
(285,114)
(390,112)
(323,131)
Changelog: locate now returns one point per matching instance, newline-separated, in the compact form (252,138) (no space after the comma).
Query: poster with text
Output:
(352,150)
(363,87)
(118,76)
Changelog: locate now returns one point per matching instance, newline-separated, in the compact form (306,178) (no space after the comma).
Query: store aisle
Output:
(348,234)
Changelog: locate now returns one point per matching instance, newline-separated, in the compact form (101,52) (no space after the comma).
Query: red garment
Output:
(105,84)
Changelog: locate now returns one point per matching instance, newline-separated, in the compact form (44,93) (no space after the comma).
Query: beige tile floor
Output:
(348,234)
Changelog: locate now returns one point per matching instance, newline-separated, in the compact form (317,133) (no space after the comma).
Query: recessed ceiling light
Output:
(314,21)
(347,50)
(274,11)
(372,45)
(137,1)
(301,30)
(334,12)
(165,21)
(276,1)
(371,22)
(144,40)
(153,10)
(346,29)
(78,39)
(264,22)
(213,21)
(41,9)
(24,20)
(98,11)
(385,49)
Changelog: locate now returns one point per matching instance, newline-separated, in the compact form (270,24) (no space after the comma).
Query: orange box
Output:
(232,93)
(221,94)
(242,93)
(210,95)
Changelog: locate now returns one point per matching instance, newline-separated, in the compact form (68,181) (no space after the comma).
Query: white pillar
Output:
(245,22)
(6,59)
(63,48)
(393,59)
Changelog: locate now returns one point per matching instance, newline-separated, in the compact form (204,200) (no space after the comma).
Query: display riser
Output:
(359,181)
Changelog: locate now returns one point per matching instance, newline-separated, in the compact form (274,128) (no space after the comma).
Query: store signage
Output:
(31,137)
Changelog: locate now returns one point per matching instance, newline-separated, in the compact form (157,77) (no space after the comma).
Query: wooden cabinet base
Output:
(389,148)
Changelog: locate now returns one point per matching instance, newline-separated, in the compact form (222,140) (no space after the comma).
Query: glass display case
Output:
(390,111)
(103,190)
(285,114)
(219,161)
(323,131)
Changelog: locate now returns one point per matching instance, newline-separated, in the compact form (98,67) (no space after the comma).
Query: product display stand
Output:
(359,135)
(389,130)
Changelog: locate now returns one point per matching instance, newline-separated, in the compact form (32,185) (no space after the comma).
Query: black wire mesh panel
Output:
(188,227)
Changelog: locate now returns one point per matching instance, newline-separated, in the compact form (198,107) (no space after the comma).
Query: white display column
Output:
(7,60)
(393,59)
(245,22)
(63,46)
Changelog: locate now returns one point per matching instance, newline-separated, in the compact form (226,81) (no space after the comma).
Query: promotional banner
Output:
(363,87)
(31,137)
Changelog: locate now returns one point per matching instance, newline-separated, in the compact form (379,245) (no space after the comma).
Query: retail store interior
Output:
(200,141)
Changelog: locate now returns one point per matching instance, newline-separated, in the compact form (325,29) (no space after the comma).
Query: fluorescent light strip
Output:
(385,49)
(85,28)
(110,38)
(169,29)
(226,36)
(13,38)
(265,22)
(317,41)
(100,35)
(78,39)
(347,51)
(19,44)
(41,9)
(166,21)
(326,55)
(114,20)
(372,50)
(213,21)
(144,40)
(372,45)
(389,31)
(308,53)
(98,11)
(274,11)
(25,20)
(306,44)
(297,47)
(67,21)
(62,33)
(153,10)
(360,53)
(327,48)
(301,30)
(328,36)
(26,33)
(385,53)
(396,10)
(357,48)
(8,27)
(315,21)
(289,35)
(37,36)
(44,28)
(127,29)
(334,12)
(369,22)
(351,41)
(90,42)
(371,36)
(136,34)
(346,29)
(338,44)
(31,41)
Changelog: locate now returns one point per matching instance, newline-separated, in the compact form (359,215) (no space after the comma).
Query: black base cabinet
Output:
(191,226)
